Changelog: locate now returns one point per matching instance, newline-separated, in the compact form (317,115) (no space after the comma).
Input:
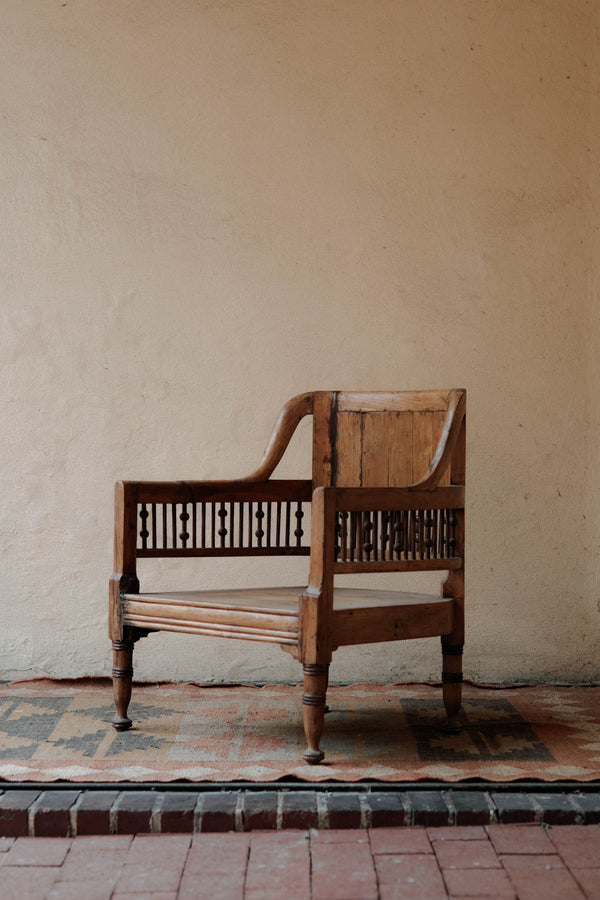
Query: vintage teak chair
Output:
(386,495)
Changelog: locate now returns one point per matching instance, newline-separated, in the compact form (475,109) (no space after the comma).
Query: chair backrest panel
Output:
(398,401)
(376,440)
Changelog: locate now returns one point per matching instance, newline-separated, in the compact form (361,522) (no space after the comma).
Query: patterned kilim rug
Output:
(57,730)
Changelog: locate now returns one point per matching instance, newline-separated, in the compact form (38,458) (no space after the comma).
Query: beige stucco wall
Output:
(210,206)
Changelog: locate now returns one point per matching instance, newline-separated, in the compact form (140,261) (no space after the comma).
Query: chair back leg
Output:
(452,679)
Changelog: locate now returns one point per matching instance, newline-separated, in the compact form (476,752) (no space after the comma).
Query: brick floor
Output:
(520,839)
(343,866)
(216,866)
(70,813)
(396,863)
(578,847)
(414,876)
(278,866)
(493,883)
(589,882)
(400,840)
(461,854)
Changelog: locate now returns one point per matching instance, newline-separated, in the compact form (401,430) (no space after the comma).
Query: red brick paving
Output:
(493,883)
(463,854)
(215,867)
(549,884)
(589,882)
(527,839)
(522,862)
(414,876)
(350,858)
(578,847)
(459,833)
(278,866)
(400,840)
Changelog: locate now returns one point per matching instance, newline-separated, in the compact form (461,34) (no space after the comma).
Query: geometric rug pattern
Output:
(60,730)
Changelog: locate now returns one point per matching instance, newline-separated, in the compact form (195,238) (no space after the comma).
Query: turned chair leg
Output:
(452,679)
(315,689)
(122,674)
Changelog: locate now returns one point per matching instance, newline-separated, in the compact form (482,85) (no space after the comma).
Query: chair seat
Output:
(272,614)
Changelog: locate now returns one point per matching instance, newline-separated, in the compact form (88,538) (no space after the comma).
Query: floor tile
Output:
(480,883)
(520,839)
(458,833)
(466,855)
(578,845)
(410,876)
(535,883)
(400,840)
(26,882)
(203,880)
(589,881)
(38,851)
(279,863)
(342,871)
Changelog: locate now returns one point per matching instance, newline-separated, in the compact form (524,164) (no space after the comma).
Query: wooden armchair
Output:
(386,495)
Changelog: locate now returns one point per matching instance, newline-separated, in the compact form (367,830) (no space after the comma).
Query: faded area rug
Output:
(60,730)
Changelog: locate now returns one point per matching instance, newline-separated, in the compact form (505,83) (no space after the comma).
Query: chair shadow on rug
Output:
(386,495)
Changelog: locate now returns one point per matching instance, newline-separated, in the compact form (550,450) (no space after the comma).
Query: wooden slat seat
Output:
(386,495)
(260,614)
(360,616)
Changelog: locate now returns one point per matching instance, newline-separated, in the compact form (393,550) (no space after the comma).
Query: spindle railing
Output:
(221,520)
(395,535)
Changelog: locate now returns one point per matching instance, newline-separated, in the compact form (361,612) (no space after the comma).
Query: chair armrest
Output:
(208,518)
(366,499)
(220,491)
(452,432)
(362,529)
(286,424)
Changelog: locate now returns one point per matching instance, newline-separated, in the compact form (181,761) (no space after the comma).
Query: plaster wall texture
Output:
(210,206)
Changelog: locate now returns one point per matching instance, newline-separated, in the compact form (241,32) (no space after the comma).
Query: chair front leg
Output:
(122,675)
(316,677)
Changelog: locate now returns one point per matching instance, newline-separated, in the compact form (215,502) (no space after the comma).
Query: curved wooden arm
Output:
(285,427)
(454,419)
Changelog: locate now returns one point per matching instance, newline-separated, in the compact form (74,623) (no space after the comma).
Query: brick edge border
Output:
(75,812)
